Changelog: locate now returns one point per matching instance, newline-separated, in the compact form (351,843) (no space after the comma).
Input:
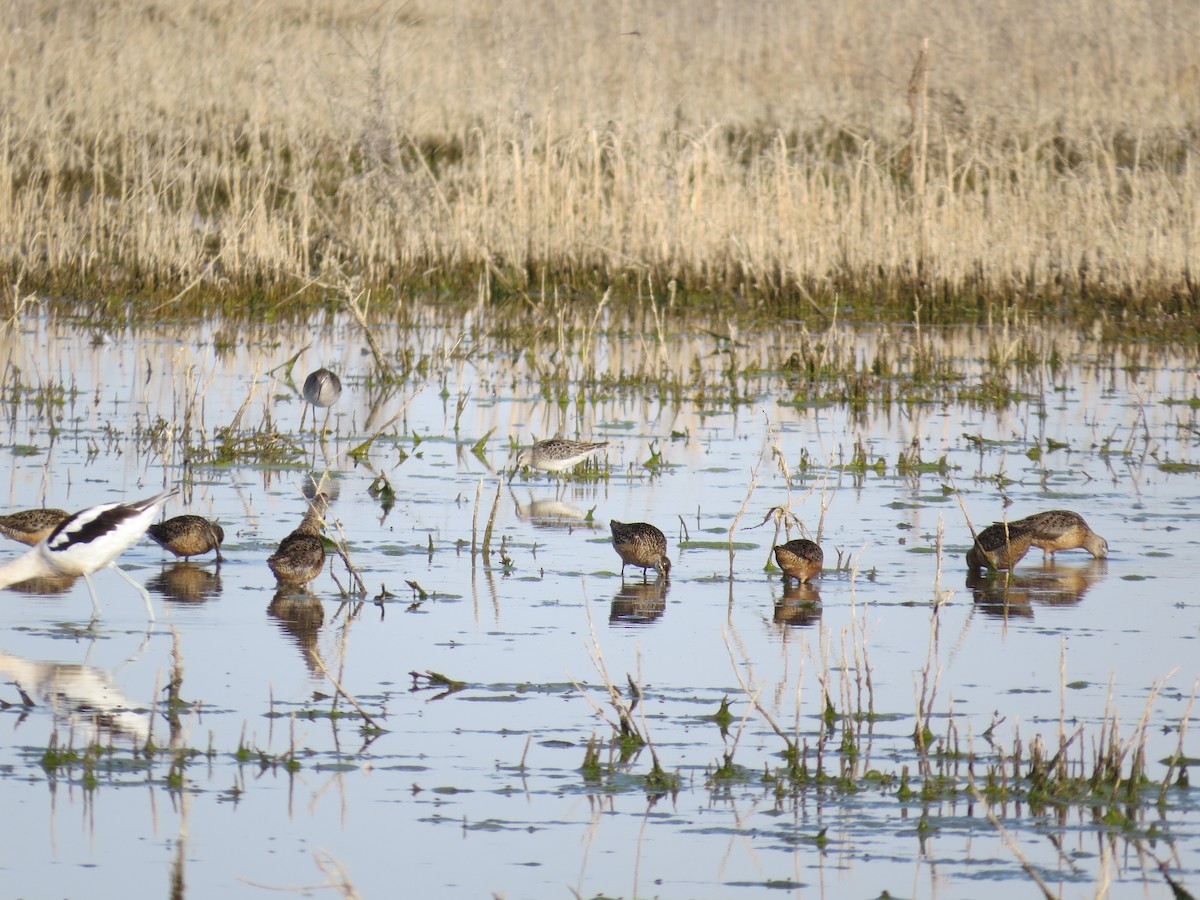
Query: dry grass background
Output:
(805,150)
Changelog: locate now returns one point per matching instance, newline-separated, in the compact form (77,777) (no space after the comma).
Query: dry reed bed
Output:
(817,151)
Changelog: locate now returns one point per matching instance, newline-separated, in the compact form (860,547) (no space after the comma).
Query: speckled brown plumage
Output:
(188,536)
(642,545)
(301,555)
(800,559)
(1062,529)
(1000,546)
(31,525)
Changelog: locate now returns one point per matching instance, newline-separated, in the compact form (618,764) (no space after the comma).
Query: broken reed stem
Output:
(928,691)
(940,597)
(351,303)
(342,549)
(1175,760)
(963,506)
(337,686)
(361,448)
(1008,840)
(596,654)
(754,695)
(475,517)
(749,491)
(487,531)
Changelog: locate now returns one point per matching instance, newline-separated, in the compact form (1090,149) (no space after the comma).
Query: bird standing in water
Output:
(800,559)
(640,544)
(999,546)
(1062,529)
(301,555)
(188,536)
(86,542)
(321,388)
(556,455)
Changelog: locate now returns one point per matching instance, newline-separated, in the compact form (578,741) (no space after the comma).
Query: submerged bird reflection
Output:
(81,697)
(1055,584)
(639,604)
(186,582)
(551,513)
(46,584)
(301,615)
(800,604)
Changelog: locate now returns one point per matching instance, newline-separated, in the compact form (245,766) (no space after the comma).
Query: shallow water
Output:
(265,780)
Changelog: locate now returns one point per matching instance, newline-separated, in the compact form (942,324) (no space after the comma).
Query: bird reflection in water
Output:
(46,584)
(800,604)
(639,604)
(82,697)
(551,513)
(186,582)
(1014,594)
(301,615)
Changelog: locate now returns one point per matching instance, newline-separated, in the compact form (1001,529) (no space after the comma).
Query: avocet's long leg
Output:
(141,590)
(92,591)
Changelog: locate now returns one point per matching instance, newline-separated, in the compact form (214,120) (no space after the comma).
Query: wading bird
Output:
(555,455)
(31,525)
(999,546)
(321,388)
(1061,529)
(188,536)
(639,544)
(301,554)
(800,559)
(86,542)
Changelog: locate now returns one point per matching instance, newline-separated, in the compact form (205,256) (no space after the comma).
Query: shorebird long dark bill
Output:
(188,536)
(640,544)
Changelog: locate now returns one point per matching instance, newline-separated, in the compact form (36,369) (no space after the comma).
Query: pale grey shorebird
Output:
(555,455)
(31,525)
(88,541)
(322,388)
(188,536)
(301,555)
(800,559)
(640,544)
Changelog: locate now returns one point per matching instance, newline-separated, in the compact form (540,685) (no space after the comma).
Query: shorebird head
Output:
(1096,545)
(663,566)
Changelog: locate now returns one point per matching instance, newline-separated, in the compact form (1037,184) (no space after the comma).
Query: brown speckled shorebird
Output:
(1061,529)
(639,544)
(800,559)
(556,455)
(188,536)
(301,555)
(1000,546)
(31,525)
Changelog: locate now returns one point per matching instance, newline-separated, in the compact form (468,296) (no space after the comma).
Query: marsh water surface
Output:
(507,781)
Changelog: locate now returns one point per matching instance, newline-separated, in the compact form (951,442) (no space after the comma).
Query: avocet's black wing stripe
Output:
(84,529)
